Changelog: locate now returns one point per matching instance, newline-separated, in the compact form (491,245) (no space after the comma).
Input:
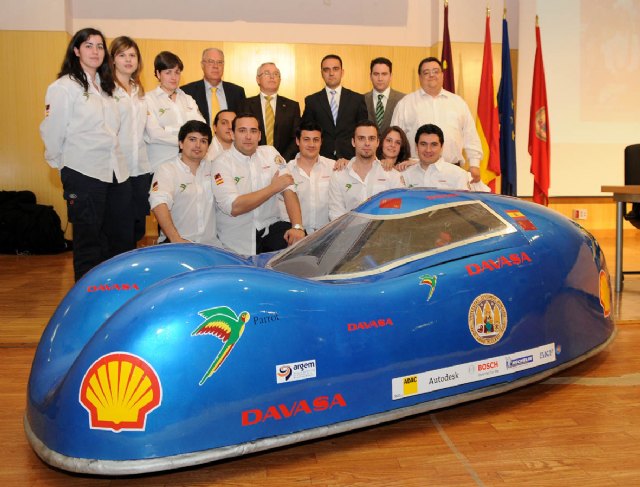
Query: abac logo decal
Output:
(487,319)
(119,390)
(430,281)
(223,323)
(410,385)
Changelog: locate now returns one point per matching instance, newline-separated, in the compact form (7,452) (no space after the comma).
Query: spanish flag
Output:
(487,120)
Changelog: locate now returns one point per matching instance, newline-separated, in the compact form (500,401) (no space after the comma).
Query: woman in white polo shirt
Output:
(168,108)
(80,134)
(130,100)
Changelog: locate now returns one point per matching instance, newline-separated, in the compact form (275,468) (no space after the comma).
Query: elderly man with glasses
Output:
(435,105)
(211,93)
(278,116)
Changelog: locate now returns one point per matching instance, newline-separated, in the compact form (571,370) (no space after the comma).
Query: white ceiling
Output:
(333,12)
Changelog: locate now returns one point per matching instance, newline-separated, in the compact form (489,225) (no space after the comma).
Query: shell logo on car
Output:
(119,391)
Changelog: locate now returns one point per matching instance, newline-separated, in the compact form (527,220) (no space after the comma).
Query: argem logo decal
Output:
(295,371)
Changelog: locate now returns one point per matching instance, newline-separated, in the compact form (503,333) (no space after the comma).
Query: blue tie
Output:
(334,106)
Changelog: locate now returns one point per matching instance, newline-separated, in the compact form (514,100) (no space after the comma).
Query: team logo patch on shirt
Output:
(218,179)
(155,186)
(279,160)
(46,110)
(348,186)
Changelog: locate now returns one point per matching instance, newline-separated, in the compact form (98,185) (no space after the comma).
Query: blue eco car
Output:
(183,354)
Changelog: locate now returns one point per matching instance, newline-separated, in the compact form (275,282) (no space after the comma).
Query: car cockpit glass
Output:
(357,245)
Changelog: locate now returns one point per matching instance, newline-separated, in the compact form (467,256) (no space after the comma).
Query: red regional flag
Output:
(446,58)
(539,146)
(487,120)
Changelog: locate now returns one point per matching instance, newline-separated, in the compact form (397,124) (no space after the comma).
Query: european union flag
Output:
(508,167)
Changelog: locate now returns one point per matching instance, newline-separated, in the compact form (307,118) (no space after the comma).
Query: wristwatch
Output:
(297,226)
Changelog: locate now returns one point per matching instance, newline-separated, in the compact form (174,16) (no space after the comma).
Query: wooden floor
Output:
(580,427)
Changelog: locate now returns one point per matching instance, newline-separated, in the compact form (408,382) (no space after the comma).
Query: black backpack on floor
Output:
(27,227)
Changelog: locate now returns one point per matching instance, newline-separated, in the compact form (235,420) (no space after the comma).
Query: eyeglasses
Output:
(270,74)
(212,62)
(433,72)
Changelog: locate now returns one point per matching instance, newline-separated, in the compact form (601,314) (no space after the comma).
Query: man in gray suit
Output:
(381,100)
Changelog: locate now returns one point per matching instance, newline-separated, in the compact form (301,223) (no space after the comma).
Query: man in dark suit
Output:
(278,116)
(381,100)
(336,109)
(211,93)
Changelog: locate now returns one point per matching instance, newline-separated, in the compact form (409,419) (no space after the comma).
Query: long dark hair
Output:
(120,44)
(405,147)
(71,63)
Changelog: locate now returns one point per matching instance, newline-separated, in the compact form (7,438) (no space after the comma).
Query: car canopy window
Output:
(358,244)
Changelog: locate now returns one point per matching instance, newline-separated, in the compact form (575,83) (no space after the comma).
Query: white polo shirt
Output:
(133,119)
(236,174)
(313,193)
(189,198)
(164,119)
(80,130)
(347,190)
(440,174)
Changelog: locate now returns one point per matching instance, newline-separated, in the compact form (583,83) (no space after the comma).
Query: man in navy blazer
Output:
(348,106)
(286,112)
(230,96)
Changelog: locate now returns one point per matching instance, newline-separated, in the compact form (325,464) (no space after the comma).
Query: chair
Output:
(632,176)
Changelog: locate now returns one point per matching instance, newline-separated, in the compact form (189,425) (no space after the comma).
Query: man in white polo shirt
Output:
(433,171)
(364,175)
(181,195)
(222,133)
(248,179)
(311,173)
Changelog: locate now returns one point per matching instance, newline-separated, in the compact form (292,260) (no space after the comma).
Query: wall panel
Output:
(31,60)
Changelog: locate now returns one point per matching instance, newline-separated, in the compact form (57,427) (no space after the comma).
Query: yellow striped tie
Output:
(215,104)
(269,120)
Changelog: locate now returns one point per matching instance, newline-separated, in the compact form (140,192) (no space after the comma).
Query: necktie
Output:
(379,111)
(215,104)
(334,106)
(269,119)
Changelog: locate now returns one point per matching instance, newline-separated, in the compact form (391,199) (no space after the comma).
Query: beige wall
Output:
(31,61)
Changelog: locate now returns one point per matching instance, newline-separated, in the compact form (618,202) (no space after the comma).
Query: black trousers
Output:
(140,186)
(274,240)
(101,216)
